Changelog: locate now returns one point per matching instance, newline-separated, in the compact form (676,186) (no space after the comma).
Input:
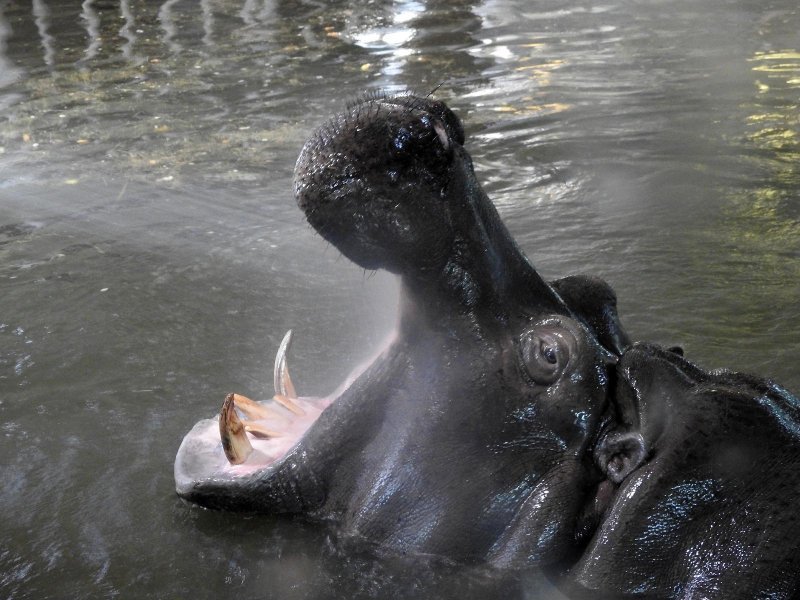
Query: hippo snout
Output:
(377,181)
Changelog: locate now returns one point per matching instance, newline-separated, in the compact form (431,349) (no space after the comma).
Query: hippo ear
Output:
(619,453)
(594,302)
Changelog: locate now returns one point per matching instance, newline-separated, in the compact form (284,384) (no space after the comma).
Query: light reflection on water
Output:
(151,256)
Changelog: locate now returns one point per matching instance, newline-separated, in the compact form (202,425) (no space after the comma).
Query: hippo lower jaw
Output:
(296,472)
(247,446)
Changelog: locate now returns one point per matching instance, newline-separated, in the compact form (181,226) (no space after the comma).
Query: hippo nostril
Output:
(400,141)
(448,119)
(420,138)
(372,182)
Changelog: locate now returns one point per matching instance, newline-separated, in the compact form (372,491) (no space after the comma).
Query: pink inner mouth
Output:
(262,433)
(201,455)
(291,427)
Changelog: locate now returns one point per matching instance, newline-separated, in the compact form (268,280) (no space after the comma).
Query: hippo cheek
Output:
(556,517)
(565,508)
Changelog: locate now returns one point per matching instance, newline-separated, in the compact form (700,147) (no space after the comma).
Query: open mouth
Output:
(248,436)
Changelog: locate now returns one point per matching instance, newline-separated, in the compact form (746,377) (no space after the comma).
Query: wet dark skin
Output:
(491,393)
(707,507)
(500,425)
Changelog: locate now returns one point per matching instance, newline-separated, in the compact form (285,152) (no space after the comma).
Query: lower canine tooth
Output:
(231,431)
(287,383)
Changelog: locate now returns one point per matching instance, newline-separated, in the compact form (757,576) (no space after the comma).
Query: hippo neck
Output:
(485,271)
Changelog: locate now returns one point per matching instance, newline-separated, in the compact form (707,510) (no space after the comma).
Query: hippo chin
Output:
(469,437)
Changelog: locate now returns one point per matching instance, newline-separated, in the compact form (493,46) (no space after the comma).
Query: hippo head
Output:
(468,437)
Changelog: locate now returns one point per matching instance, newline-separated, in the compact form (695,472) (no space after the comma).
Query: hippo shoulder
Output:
(711,513)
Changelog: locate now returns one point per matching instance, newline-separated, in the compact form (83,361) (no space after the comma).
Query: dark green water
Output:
(151,256)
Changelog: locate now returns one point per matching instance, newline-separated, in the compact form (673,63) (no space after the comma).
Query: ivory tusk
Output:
(258,430)
(280,376)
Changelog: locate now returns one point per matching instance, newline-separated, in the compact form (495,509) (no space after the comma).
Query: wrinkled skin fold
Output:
(509,421)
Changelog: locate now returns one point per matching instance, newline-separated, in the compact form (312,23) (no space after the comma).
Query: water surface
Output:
(151,256)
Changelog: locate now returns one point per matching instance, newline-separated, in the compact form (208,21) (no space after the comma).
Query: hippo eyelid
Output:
(542,357)
(548,352)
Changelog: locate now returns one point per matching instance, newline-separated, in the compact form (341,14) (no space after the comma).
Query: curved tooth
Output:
(289,403)
(252,409)
(231,431)
(258,430)
(288,386)
(280,376)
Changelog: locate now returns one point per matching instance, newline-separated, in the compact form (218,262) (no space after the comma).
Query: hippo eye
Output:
(549,354)
(544,353)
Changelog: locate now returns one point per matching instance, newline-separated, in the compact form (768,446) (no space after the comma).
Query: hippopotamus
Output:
(706,467)
(508,422)
(483,407)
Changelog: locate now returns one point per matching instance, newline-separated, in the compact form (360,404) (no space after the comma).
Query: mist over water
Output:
(152,257)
